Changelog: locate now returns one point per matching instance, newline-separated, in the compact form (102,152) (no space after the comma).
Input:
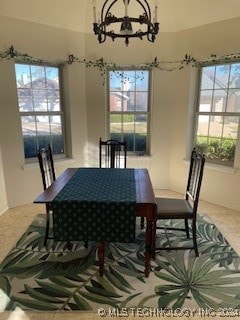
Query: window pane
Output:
(53,99)
(142,81)
(203,126)
(141,133)
(131,102)
(129,81)
(233,102)
(43,125)
(129,131)
(38,77)
(219,100)
(23,77)
(52,78)
(229,139)
(222,76)
(116,101)
(230,127)
(234,81)
(207,81)
(216,126)
(115,126)
(25,102)
(29,136)
(115,82)
(40,100)
(28,125)
(141,101)
(43,131)
(128,123)
(205,102)
(57,141)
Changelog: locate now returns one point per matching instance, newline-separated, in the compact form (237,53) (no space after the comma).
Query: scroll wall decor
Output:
(103,66)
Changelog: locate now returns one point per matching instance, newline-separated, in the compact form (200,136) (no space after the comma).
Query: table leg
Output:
(149,247)
(101,251)
(154,239)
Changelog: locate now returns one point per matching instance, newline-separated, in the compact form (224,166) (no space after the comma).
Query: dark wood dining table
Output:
(145,205)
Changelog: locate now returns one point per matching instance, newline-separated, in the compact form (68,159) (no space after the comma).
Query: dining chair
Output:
(112,154)
(47,170)
(184,209)
(46,164)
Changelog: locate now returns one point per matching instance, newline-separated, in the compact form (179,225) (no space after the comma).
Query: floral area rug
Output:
(63,278)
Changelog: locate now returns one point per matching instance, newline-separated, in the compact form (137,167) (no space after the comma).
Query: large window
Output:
(129,109)
(39,102)
(218,112)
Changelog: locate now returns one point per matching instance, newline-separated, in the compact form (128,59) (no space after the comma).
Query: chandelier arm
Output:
(147,11)
(108,10)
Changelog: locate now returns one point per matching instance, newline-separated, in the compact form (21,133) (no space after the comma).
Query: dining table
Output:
(101,205)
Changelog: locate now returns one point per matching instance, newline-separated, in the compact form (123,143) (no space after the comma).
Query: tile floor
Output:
(15,221)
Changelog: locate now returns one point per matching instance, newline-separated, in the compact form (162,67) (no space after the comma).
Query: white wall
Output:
(84,98)
(3,196)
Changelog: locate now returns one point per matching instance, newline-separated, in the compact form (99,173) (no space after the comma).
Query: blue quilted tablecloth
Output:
(98,205)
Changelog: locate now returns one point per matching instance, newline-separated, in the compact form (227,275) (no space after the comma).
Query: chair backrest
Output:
(195,177)
(112,154)
(46,166)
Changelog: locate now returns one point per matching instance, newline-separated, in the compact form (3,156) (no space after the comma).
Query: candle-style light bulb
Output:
(94,11)
(156,12)
(126,8)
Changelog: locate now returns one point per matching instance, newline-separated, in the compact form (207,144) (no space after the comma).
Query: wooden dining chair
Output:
(184,209)
(112,154)
(47,170)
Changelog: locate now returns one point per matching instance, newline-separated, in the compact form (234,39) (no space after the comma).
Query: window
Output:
(218,112)
(129,109)
(39,101)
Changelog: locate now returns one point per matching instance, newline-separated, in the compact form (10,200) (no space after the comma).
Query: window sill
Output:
(217,167)
(34,165)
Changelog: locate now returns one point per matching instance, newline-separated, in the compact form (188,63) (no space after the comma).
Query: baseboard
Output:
(4,210)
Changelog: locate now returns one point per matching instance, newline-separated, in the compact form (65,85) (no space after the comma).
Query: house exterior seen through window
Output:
(39,101)
(218,112)
(129,109)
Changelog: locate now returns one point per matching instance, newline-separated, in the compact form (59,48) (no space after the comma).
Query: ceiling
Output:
(76,15)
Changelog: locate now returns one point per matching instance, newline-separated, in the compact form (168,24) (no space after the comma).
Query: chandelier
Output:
(109,25)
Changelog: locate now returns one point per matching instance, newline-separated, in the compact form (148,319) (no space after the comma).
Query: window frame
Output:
(235,163)
(147,113)
(60,113)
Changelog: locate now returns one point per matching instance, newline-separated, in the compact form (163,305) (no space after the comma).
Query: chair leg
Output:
(186,227)
(47,228)
(194,234)
(142,223)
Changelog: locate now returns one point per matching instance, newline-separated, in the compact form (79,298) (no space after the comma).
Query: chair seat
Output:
(169,208)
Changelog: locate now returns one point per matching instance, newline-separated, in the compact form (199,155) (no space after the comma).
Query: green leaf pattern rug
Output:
(63,278)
